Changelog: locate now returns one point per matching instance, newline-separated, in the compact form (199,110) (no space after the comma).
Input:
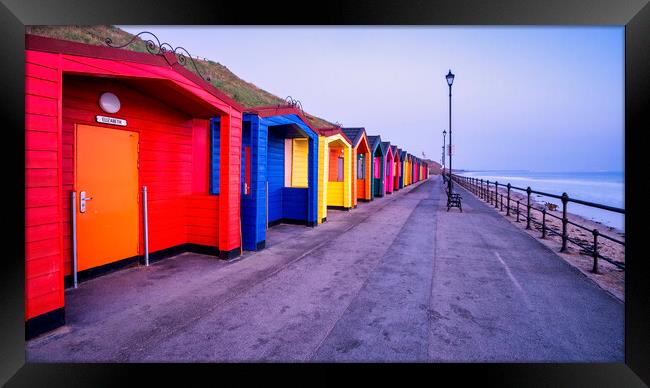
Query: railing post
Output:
(508,202)
(492,196)
(496,194)
(544,223)
(517,210)
(487,191)
(485,188)
(565,200)
(501,201)
(528,191)
(595,252)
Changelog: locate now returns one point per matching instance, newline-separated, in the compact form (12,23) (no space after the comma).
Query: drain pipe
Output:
(145,221)
(73,222)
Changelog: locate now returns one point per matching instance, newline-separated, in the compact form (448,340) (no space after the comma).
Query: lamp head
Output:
(450,78)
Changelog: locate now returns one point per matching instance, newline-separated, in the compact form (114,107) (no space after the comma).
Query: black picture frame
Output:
(635,15)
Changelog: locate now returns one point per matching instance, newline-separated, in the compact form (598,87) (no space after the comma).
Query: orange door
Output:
(106,171)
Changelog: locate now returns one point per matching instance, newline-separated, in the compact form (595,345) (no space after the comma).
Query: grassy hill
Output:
(220,76)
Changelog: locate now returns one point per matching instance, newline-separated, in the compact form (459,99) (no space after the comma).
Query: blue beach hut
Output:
(402,159)
(378,152)
(279,172)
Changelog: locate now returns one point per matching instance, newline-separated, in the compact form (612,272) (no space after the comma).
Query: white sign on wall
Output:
(111,120)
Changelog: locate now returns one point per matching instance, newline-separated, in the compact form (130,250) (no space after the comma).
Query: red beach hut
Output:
(361,165)
(102,124)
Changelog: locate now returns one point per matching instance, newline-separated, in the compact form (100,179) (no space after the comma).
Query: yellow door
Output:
(106,174)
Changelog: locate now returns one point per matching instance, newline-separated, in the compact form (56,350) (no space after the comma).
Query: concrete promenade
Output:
(397,279)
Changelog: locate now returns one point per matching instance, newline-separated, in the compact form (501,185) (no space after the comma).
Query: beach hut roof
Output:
(354,134)
(170,70)
(402,154)
(280,110)
(394,149)
(331,131)
(385,145)
(375,141)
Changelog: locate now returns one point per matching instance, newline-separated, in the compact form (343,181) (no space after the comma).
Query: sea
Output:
(603,187)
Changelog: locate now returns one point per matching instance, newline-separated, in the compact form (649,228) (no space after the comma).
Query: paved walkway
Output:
(397,279)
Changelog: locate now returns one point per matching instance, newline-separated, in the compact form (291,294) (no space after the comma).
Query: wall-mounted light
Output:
(109,102)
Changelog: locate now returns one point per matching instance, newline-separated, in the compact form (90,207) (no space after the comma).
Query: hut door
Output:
(106,181)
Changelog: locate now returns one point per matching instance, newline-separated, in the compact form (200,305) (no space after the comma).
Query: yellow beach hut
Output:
(407,170)
(334,171)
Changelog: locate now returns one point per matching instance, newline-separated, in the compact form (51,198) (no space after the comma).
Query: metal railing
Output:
(489,192)
(73,233)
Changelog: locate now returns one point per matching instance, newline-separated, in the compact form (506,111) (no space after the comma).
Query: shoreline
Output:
(610,221)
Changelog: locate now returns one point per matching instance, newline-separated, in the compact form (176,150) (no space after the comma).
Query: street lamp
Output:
(444,134)
(450,81)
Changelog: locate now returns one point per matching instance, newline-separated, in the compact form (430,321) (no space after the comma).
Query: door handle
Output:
(82,201)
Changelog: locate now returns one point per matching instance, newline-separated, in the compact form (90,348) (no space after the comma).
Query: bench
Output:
(453,200)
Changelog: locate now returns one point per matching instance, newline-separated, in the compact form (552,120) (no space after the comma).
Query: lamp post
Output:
(450,81)
(442,164)
(444,134)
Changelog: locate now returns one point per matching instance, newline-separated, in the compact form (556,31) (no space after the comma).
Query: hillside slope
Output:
(220,76)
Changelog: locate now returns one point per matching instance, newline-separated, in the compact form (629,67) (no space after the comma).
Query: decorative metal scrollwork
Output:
(157,48)
(292,102)
(338,125)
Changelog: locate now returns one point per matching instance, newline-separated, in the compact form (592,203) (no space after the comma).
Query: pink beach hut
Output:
(389,167)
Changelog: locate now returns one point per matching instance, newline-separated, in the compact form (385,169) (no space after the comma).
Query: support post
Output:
(528,191)
(73,223)
(145,222)
(517,210)
(496,194)
(595,251)
(508,202)
(489,195)
(544,223)
(565,220)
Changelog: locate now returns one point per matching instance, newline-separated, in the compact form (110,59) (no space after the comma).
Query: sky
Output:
(524,98)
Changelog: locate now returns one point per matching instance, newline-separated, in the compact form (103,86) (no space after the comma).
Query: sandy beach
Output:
(609,277)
